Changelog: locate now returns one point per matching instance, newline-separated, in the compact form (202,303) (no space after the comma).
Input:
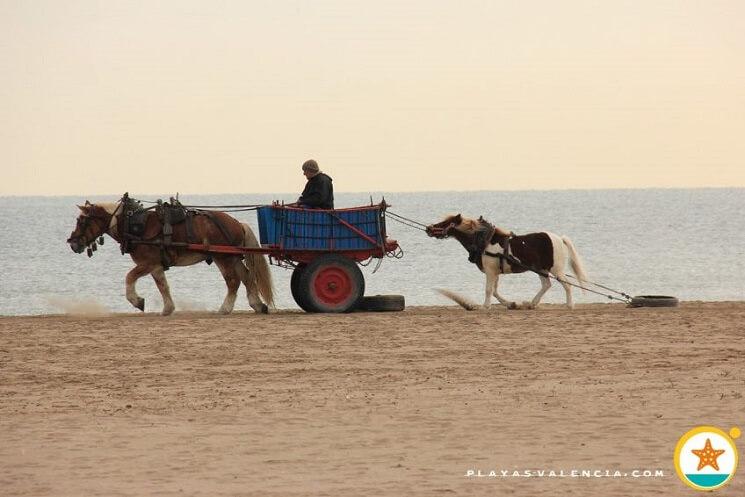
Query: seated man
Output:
(318,192)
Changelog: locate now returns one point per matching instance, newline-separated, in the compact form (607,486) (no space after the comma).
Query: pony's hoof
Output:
(167,311)
(264,309)
(512,305)
(224,311)
(141,304)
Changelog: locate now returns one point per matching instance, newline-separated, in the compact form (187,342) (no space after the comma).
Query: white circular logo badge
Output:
(706,457)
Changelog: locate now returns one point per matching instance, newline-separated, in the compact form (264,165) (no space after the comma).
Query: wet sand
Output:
(365,404)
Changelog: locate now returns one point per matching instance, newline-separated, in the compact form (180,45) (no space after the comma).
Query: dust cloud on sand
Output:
(77,307)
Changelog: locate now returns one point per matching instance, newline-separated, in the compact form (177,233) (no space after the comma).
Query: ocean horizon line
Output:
(368,192)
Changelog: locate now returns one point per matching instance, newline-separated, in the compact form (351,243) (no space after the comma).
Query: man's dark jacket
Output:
(318,192)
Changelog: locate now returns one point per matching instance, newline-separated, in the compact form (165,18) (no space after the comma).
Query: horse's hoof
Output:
(264,309)
(167,312)
(512,305)
(141,304)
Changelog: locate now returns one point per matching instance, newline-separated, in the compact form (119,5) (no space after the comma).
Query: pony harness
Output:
(488,236)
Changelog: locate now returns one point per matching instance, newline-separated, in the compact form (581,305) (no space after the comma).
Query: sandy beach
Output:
(365,404)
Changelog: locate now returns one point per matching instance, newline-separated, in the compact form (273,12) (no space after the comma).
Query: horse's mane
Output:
(109,207)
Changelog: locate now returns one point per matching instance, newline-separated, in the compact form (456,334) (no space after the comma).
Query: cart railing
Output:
(337,230)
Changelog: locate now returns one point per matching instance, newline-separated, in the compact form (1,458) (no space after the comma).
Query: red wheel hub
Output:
(332,285)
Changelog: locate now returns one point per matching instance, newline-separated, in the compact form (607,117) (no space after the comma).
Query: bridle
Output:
(439,232)
(91,245)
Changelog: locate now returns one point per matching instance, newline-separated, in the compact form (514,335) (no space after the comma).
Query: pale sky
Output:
(232,96)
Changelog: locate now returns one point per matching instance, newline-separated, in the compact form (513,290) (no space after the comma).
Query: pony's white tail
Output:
(258,268)
(458,299)
(575,261)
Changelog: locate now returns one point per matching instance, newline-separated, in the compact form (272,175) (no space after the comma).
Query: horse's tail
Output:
(575,260)
(458,299)
(258,268)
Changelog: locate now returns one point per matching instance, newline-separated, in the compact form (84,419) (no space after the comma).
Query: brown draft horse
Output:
(496,251)
(252,269)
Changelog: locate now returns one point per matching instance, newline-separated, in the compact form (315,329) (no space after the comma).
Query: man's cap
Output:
(311,166)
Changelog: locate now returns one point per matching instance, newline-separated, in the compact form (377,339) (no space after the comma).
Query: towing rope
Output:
(514,260)
(406,221)
(625,300)
(625,295)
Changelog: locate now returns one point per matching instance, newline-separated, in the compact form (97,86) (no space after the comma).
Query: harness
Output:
(131,224)
(133,219)
(488,236)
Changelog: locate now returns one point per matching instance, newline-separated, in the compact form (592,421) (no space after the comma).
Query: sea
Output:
(687,243)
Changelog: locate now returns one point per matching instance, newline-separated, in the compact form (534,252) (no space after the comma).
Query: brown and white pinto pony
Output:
(252,270)
(544,252)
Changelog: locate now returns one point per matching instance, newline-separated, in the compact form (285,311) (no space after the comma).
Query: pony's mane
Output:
(471,226)
(468,225)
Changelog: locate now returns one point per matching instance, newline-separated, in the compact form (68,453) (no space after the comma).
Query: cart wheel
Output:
(382,303)
(331,283)
(295,287)
(653,301)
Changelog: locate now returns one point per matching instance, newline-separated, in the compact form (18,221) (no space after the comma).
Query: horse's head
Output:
(92,223)
(443,228)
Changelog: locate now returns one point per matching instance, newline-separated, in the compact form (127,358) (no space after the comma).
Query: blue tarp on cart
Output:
(315,229)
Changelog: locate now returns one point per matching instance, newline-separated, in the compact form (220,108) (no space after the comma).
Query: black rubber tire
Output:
(331,283)
(297,295)
(653,301)
(382,303)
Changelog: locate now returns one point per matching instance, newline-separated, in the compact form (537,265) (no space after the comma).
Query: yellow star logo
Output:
(708,456)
